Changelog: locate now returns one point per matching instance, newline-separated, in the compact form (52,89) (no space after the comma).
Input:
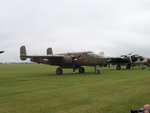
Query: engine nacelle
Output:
(68,60)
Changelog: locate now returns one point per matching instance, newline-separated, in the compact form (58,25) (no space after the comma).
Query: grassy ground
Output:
(36,89)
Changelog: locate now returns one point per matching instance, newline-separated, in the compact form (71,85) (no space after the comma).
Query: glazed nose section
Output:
(142,58)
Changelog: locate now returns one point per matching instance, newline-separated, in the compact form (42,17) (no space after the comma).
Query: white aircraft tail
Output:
(101,54)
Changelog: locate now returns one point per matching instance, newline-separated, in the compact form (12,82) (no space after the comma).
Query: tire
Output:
(142,67)
(128,66)
(59,71)
(81,70)
(97,71)
(118,67)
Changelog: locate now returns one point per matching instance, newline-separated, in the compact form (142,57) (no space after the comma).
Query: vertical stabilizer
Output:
(23,53)
(49,51)
(101,54)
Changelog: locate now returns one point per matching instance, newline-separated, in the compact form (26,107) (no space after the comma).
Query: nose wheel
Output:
(97,71)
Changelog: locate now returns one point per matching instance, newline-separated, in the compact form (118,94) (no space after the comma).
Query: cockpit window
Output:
(89,52)
(123,55)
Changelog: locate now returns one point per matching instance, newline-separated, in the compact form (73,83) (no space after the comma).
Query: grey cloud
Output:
(115,27)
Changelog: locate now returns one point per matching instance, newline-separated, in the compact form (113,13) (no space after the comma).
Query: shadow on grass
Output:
(64,74)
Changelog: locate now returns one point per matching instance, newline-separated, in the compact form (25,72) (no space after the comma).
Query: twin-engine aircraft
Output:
(1,52)
(74,60)
(129,61)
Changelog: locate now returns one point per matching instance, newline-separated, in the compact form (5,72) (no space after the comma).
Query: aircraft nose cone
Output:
(142,58)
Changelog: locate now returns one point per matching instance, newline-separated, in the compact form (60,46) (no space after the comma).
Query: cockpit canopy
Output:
(89,52)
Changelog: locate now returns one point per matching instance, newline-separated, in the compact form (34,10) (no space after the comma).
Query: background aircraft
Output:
(73,60)
(1,52)
(145,62)
(128,61)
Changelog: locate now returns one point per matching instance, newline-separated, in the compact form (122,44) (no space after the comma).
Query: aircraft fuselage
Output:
(78,59)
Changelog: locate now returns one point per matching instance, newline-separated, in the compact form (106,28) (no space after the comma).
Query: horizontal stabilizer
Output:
(39,58)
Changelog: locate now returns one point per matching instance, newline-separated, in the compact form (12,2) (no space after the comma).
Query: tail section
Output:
(101,54)
(49,51)
(23,53)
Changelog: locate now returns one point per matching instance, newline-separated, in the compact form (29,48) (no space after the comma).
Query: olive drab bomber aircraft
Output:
(74,60)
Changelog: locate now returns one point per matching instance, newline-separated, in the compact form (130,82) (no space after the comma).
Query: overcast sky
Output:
(113,26)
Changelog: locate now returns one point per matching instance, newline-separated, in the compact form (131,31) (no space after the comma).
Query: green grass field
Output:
(32,88)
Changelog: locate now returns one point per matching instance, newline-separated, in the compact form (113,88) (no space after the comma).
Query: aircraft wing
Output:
(44,56)
(117,60)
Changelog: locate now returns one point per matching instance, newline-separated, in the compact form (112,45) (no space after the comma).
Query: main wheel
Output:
(128,66)
(97,71)
(118,67)
(81,70)
(142,67)
(59,71)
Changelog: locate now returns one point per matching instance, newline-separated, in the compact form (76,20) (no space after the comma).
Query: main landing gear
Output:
(128,66)
(81,70)
(118,67)
(59,70)
(97,71)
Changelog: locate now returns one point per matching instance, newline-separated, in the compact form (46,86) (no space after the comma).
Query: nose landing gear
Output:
(97,71)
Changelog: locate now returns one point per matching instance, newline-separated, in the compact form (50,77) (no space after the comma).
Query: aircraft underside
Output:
(129,66)
(81,70)
(118,67)
(61,66)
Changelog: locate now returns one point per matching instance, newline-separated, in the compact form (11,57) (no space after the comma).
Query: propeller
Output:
(74,60)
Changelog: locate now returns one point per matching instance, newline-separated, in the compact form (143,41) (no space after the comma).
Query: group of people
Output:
(145,109)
